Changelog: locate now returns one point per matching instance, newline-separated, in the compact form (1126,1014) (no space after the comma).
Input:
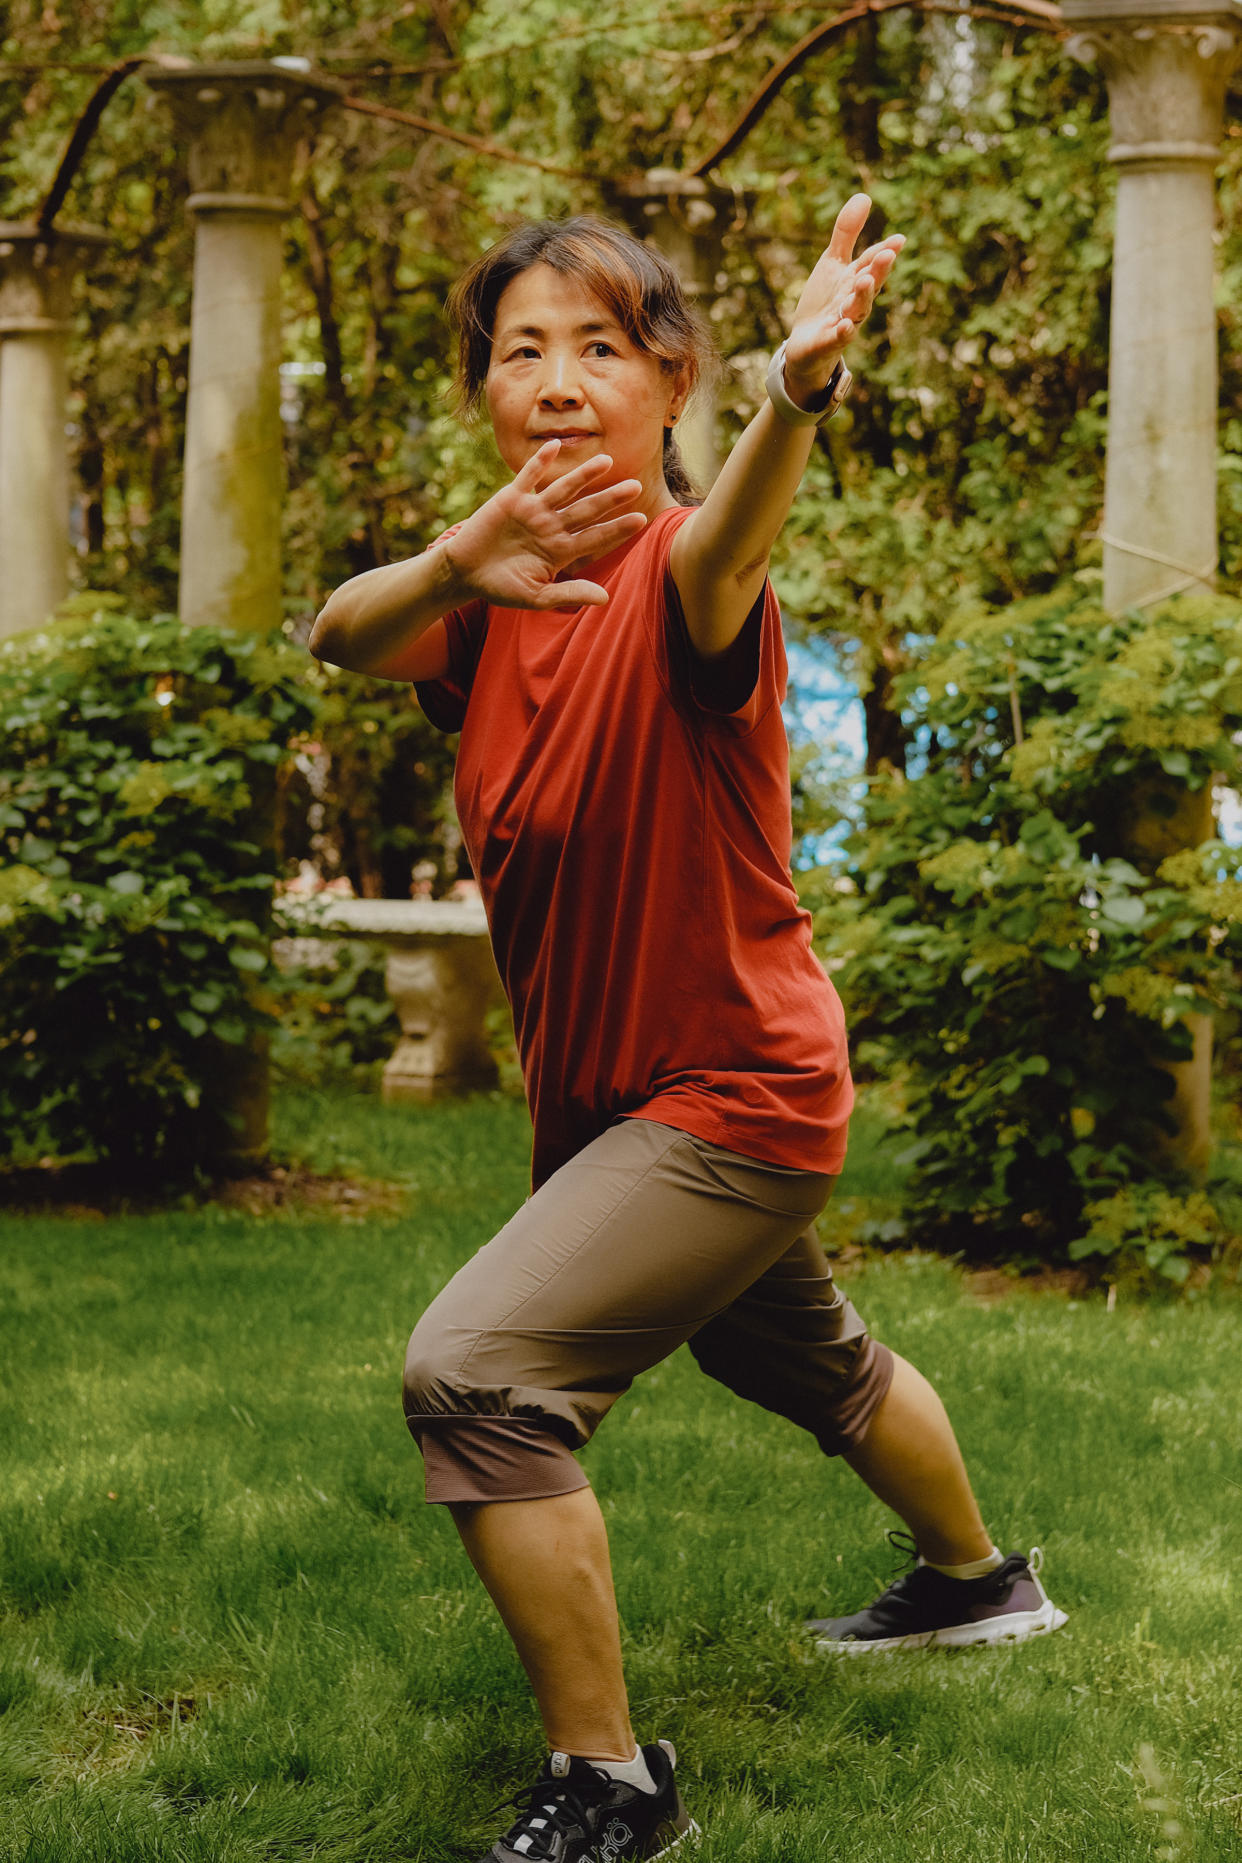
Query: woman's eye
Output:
(602,349)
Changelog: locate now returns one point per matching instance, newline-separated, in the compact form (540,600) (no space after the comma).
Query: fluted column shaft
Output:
(242,124)
(1167,67)
(36,276)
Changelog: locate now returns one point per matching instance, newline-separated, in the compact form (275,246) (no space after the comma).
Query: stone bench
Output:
(440,976)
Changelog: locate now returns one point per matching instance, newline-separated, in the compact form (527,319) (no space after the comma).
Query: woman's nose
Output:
(561,385)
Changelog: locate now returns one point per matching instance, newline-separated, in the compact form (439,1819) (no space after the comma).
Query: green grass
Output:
(229,1629)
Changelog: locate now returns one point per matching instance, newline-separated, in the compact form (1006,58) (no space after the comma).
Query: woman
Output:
(612,655)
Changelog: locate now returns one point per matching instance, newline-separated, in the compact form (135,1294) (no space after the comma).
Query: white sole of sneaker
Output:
(1016,1627)
(692,1831)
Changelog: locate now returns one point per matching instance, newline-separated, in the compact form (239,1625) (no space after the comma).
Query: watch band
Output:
(839,384)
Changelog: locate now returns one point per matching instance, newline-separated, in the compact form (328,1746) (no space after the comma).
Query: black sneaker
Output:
(924,1607)
(576,1814)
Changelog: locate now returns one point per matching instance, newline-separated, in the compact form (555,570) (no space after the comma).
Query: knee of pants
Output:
(475,1447)
(831,1389)
(430,1385)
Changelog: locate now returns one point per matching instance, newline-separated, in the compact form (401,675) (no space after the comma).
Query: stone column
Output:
(1167,64)
(686,217)
(36,278)
(242,123)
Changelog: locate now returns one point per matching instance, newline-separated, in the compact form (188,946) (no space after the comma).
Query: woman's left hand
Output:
(836,299)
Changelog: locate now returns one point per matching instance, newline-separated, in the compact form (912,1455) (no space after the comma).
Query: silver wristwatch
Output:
(826,402)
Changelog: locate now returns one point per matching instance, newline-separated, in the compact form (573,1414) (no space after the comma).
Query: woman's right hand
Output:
(512,549)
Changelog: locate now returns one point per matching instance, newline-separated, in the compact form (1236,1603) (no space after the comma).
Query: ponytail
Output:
(676,477)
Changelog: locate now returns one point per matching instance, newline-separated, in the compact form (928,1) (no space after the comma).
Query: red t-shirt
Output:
(626,809)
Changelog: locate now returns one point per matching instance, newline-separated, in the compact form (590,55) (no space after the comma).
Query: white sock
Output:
(635,1772)
(977,1568)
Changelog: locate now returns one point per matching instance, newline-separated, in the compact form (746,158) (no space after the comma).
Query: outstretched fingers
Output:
(596,507)
(571,595)
(570,486)
(597,539)
(539,475)
(869,275)
(536,473)
(848,227)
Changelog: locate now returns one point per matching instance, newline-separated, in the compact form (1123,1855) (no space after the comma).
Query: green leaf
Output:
(126,883)
(246,957)
(192,1024)
(1124,909)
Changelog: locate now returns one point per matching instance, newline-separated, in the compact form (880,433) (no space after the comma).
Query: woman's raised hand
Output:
(513,547)
(835,300)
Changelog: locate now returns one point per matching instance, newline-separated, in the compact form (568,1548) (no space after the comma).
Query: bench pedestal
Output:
(442,990)
(440,977)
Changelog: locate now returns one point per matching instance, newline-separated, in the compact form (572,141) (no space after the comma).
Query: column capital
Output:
(1167,66)
(243,120)
(36,274)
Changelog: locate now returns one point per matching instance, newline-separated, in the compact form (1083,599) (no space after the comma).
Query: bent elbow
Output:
(320,641)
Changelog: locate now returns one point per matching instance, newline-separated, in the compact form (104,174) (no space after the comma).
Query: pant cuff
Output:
(872,1376)
(493,1459)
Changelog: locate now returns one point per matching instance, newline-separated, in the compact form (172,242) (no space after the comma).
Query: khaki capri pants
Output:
(645,1240)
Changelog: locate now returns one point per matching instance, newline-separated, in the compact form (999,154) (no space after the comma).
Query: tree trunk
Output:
(886,732)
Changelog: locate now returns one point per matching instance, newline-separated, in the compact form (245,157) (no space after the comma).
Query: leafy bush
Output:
(336,1018)
(371,798)
(136,795)
(1023,937)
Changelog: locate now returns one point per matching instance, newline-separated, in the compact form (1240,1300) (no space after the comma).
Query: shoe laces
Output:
(905,1544)
(550,1808)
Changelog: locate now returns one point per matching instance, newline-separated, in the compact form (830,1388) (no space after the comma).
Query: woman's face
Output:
(563,368)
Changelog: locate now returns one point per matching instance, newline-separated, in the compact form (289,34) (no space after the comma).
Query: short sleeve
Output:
(445,700)
(735,691)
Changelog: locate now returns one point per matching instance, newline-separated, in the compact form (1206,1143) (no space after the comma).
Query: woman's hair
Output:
(636,283)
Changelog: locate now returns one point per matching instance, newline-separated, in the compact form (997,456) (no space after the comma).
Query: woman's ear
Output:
(680,396)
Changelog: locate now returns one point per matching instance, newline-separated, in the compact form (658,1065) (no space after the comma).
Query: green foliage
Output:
(336,1019)
(370,799)
(1024,939)
(136,877)
(969,457)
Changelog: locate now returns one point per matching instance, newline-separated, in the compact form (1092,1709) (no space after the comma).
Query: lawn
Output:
(231,1630)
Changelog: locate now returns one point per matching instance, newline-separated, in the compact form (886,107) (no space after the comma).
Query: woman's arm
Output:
(720,556)
(508,553)
(383,622)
